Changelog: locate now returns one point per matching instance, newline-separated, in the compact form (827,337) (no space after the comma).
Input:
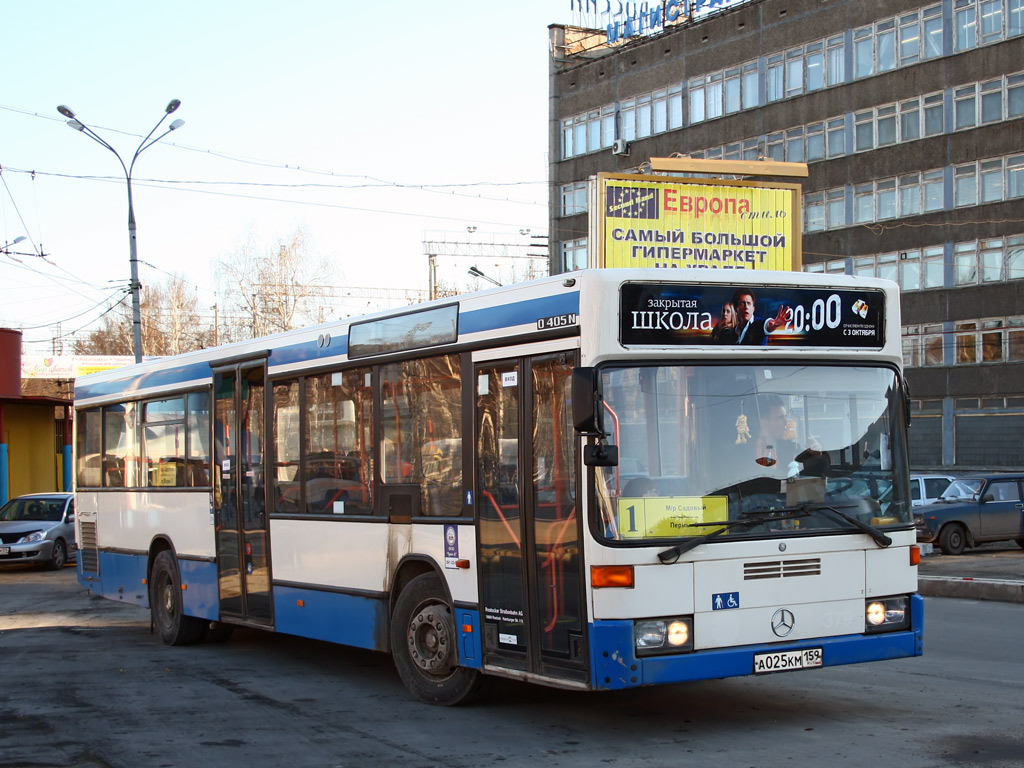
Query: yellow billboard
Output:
(672,222)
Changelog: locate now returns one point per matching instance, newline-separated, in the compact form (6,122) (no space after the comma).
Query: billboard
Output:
(679,314)
(673,222)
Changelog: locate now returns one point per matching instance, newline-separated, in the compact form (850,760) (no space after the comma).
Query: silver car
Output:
(38,528)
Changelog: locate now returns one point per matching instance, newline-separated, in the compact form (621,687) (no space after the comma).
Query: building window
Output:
(574,198)
(815,66)
(714,94)
(836,137)
(1015,95)
(751,92)
(1015,257)
(991,20)
(675,107)
(1014,17)
(863,131)
(965,263)
(794,72)
(886,44)
(965,185)
(933,112)
(991,258)
(910,194)
(886,123)
(814,212)
(992,101)
(863,204)
(886,193)
(643,116)
(910,120)
(574,254)
(964,109)
(933,183)
(1015,176)
(965,25)
(774,77)
(991,181)
(933,272)
(966,343)
(931,345)
(696,92)
(910,271)
(863,53)
(627,117)
(910,39)
(835,208)
(931,31)
(815,142)
(835,58)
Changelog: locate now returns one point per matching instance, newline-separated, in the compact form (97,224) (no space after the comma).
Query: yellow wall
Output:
(30,435)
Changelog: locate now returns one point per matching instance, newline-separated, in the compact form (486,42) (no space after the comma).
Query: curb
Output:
(974,589)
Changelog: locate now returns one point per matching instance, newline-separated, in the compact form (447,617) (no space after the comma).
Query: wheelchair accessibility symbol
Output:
(723,601)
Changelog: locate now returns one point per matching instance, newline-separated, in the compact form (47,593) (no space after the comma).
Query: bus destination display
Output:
(663,315)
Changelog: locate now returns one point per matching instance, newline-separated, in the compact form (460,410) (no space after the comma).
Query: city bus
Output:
(598,480)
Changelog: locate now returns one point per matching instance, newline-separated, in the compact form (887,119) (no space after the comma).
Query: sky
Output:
(372,126)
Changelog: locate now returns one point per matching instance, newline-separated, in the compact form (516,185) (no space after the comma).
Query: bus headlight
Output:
(886,615)
(653,637)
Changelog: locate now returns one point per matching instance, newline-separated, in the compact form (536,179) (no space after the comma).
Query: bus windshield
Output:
(703,445)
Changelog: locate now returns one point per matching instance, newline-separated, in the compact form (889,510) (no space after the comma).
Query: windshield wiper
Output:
(672,554)
(880,538)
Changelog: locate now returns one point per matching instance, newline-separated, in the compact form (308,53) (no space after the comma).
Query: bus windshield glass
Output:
(790,448)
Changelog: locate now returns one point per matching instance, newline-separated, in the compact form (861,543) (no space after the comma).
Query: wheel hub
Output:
(430,640)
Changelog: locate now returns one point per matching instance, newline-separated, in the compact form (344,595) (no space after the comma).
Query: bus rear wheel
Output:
(424,644)
(165,606)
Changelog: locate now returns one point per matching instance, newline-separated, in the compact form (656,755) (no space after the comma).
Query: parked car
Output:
(974,510)
(926,489)
(38,528)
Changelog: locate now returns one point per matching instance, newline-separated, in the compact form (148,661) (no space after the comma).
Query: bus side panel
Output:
(357,620)
(122,576)
(199,594)
(615,665)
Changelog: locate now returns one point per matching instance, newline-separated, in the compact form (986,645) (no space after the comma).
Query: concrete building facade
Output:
(910,116)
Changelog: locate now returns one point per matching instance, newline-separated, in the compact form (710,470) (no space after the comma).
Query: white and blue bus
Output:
(599,480)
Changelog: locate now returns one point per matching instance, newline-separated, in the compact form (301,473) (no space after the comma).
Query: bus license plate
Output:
(786,660)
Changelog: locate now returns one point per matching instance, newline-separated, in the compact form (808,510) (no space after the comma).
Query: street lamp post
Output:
(477,273)
(145,144)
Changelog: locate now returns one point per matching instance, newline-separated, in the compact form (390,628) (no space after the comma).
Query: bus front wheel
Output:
(424,644)
(169,620)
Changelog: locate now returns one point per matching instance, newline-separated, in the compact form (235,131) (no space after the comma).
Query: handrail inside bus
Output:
(504,520)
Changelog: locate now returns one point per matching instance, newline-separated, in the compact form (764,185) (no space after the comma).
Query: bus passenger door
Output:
(528,526)
(240,509)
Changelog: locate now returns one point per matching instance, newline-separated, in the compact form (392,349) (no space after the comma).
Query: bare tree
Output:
(274,288)
(171,323)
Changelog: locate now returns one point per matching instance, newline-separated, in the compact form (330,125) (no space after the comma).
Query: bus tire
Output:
(953,539)
(424,644)
(165,605)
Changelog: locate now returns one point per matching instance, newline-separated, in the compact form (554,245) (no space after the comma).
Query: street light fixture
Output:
(78,125)
(477,273)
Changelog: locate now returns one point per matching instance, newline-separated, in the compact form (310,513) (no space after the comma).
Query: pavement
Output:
(989,572)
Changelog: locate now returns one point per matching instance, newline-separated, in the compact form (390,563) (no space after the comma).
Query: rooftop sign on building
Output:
(625,20)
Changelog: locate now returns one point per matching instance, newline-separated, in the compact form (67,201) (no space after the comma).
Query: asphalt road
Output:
(84,684)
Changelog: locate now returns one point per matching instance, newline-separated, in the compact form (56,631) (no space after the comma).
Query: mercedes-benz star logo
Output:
(782,622)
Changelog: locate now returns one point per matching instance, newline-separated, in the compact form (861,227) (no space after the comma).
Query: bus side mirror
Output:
(585,402)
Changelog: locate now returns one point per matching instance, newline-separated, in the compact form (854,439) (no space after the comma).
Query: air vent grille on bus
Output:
(781,569)
(87,548)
